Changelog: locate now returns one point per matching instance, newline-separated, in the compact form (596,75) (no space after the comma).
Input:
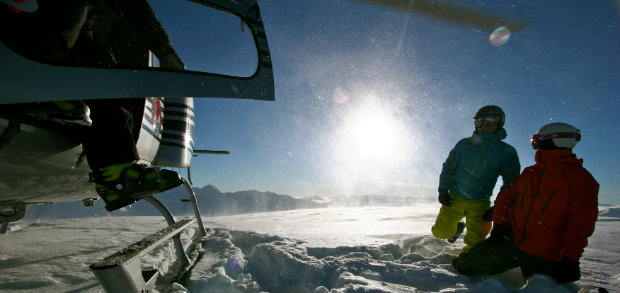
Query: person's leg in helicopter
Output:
(110,148)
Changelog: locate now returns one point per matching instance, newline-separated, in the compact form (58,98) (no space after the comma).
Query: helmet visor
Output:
(537,138)
(486,120)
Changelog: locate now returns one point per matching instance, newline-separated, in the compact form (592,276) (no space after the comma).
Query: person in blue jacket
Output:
(468,178)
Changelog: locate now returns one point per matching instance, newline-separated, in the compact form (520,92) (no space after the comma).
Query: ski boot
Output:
(123,184)
(459,230)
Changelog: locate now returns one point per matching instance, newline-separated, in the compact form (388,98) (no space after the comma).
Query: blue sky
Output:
(370,100)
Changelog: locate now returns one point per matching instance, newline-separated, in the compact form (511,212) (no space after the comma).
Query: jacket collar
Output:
(499,135)
(556,156)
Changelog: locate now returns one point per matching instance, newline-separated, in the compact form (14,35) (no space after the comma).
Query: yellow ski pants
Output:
(472,211)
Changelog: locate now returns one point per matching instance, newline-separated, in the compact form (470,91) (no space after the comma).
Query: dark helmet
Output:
(492,110)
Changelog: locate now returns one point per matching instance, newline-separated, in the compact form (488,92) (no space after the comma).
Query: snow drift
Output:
(371,249)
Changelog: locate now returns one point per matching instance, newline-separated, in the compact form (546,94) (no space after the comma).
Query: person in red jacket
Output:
(542,221)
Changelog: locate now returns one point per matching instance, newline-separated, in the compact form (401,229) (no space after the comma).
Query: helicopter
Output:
(41,156)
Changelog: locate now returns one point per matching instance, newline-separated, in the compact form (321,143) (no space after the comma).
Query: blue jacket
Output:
(475,163)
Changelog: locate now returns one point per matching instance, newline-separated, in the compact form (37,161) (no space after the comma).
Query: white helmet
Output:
(561,134)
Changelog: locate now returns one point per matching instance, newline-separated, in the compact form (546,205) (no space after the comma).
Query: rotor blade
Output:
(465,16)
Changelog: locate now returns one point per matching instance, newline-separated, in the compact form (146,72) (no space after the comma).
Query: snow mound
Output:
(235,261)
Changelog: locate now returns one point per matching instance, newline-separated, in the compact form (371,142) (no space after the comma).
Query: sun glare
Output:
(372,135)
(370,146)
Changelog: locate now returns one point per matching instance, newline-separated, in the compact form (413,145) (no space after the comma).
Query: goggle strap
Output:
(575,135)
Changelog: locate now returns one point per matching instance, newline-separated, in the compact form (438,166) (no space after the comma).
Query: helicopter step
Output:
(121,271)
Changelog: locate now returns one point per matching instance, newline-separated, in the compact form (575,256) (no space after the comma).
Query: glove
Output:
(501,235)
(566,271)
(445,199)
(488,215)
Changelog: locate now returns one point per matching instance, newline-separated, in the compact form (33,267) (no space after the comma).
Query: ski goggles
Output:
(537,138)
(486,120)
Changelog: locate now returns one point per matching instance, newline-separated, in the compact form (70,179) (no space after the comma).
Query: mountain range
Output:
(211,202)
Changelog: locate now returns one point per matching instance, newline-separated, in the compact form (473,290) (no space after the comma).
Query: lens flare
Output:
(499,36)
(340,96)
(234,265)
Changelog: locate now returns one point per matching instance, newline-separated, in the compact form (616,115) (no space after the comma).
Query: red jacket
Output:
(551,207)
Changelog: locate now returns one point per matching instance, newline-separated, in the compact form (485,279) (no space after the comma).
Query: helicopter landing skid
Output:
(122,272)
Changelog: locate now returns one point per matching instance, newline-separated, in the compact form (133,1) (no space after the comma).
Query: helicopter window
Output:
(126,35)
(208,40)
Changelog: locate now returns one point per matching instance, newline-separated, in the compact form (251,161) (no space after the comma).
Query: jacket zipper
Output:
(548,201)
(476,163)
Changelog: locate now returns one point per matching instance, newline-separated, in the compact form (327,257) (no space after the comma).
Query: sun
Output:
(372,135)
(370,142)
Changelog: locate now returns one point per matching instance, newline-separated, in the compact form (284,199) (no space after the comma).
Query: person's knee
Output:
(437,233)
(441,232)
(446,223)
(460,264)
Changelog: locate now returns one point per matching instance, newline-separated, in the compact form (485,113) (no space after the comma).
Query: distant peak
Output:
(210,188)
